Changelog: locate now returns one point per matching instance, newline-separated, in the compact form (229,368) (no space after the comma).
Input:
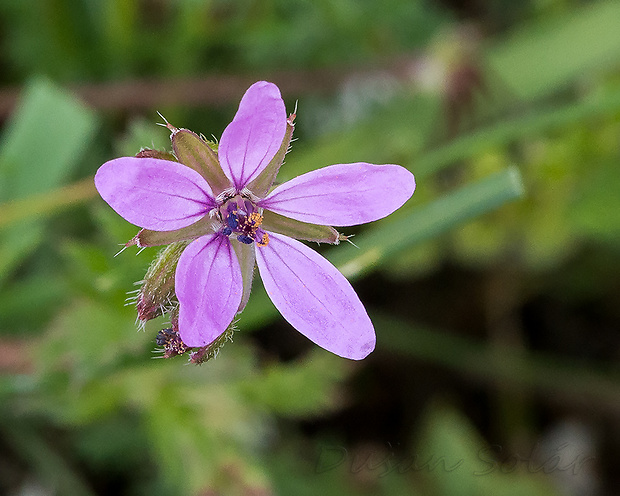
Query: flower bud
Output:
(156,295)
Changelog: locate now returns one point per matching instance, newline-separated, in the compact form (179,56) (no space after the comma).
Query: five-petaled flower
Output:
(222,198)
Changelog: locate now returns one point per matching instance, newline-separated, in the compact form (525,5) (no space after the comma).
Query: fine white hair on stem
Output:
(343,237)
(140,325)
(124,247)
(166,123)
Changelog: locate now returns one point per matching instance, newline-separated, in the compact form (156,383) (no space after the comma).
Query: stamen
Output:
(245,239)
(264,241)
(232,221)
(255,219)
(240,217)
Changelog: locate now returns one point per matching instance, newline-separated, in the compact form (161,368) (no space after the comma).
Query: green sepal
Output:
(146,237)
(262,183)
(157,295)
(246,255)
(194,152)
(201,355)
(150,153)
(299,230)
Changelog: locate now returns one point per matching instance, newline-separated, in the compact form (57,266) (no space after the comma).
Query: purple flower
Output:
(223,200)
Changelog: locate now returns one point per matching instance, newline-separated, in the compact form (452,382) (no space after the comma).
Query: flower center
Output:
(242,219)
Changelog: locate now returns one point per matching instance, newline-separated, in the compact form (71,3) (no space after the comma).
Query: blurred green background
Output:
(494,291)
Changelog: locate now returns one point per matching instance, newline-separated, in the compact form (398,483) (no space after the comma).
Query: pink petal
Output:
(315,298)
(343,194)
(255,134)
(208,286)
(154,194)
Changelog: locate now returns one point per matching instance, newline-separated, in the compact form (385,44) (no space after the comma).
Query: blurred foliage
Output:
(524,106)
(81,39)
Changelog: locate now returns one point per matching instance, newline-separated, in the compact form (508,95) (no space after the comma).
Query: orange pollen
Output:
(264,240)
(255,219)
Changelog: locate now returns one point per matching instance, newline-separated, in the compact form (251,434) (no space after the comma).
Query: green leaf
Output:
(16,243)
(41,292)
(45,460)
(596,212)
(43,141)
(46,204)
(41,147)
(461,464)
(506,132)
(544,57)
(302,388)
